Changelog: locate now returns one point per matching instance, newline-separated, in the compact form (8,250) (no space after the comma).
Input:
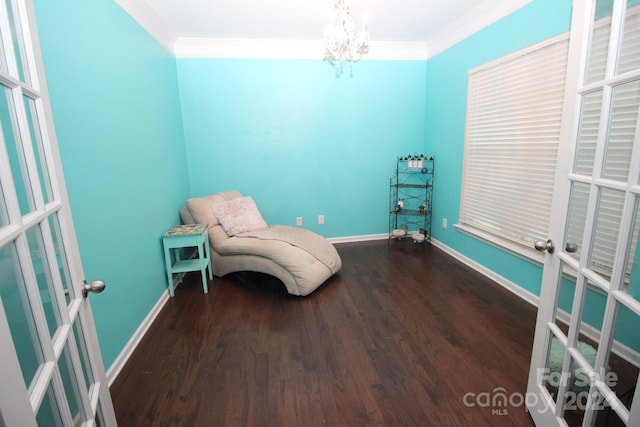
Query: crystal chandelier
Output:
(340,39)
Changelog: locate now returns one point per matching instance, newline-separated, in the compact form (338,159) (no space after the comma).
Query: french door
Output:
(51,371)
(585,360)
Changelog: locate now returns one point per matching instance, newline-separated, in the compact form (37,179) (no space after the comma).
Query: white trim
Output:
(144,15)
(618,348)
(360,238)
(132,344)
(474,21)
(186,47)
(482,16)
(528,254)
(398,51)
(529,297)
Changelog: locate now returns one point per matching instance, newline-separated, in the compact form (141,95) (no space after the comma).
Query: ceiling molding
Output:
(289,49)
(472,22)
(149,20)
(186,47)
(485,14)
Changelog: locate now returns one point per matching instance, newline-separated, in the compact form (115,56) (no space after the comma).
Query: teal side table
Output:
(186,236)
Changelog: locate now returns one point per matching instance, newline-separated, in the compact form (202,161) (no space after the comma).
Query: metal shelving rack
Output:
(411,199)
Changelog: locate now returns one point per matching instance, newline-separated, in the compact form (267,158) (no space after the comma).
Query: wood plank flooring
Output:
(397,338)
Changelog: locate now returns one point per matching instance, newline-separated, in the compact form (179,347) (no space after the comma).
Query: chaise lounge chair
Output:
(240,240)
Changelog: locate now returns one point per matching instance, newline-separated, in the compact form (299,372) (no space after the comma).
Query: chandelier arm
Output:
(342,43)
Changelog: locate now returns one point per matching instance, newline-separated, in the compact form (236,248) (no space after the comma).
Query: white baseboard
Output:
(618,348)
(129,348)
(361,238)
(529,297)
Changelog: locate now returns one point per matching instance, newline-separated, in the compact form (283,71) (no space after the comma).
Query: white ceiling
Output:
(424,21)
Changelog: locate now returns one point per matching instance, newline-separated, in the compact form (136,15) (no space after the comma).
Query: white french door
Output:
(51,371)
(585,360)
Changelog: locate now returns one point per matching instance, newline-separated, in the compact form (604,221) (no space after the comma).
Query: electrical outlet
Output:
(320,219)
(298,221)
(444,222)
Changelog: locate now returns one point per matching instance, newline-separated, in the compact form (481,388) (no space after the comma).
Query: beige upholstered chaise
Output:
(301,259)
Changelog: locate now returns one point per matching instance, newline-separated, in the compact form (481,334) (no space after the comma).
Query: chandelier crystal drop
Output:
(341,41)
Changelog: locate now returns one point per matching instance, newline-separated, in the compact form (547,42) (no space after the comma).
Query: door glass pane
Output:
(597,59)
(623,374)
(71,388)
(38,150)
(16,38)
(624,119)
(552,372)
(61,256)
(565,299)
(632,270)
(43,276)
(15,153)
(576,217)
(84,355)
(579,381)
(575,398)
(588,133)
(630,46)
(48,415)
(18,311)
(592,316)
(607,227)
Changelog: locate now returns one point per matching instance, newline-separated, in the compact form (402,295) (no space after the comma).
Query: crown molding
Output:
(186,47)
(478,18)
(147,18)
(483,15)
(289,49)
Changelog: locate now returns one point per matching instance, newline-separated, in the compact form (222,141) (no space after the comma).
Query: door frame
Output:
(539,403)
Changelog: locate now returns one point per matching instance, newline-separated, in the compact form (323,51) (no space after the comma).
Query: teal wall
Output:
(446,104)
(140,131)
(301,141)
(116,107)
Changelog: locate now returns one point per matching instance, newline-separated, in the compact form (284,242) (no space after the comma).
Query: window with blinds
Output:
(514,109)
(513,128)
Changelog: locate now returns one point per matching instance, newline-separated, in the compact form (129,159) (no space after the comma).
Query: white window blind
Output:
(513,124)
(513,127)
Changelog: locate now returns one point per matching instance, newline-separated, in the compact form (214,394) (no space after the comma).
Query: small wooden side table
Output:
(186,236)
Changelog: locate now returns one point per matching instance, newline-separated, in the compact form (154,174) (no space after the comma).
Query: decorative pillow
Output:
(238,215)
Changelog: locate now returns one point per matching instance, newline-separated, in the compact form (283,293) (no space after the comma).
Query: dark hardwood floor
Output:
(398,338)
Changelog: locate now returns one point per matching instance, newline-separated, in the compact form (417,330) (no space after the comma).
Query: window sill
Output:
(528,254)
